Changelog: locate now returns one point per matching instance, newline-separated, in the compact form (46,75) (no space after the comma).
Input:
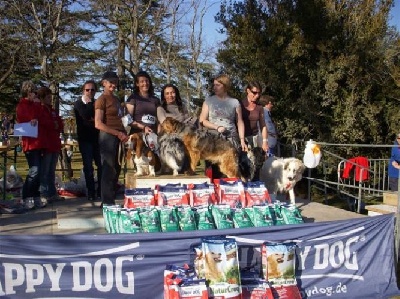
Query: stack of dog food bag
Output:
(216,273)
(228,203)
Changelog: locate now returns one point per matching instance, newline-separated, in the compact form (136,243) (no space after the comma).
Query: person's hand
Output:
(265,146)
(123,137)
(34,122)
(243,145)
(395,164)
(221,129)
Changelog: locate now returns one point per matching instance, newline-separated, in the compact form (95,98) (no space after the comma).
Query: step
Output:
(390,198)
(374,210)
(150,182)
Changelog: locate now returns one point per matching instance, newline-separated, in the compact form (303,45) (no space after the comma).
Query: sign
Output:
(341,259)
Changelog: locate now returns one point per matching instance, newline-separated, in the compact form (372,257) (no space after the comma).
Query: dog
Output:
(145,160)
(213,267)
(273,262)
(201,145)
(250,163)
(173,153)
(281,175)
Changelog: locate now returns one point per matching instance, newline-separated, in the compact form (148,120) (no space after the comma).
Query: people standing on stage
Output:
(108,113)
(394,165)
(29,110)
(253,117)
(268,102)
(52,128)
(88,139)
(142,105)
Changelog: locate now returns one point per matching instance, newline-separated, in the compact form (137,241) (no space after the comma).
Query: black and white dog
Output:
(250,163)
(173,153)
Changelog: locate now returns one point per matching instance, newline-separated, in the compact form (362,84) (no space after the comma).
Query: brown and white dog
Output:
(281,175)
(144,159)
(201,145)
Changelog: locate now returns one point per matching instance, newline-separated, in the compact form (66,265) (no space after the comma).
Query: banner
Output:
(340,259)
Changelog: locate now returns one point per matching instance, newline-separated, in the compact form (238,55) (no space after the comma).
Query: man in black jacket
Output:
(88,138)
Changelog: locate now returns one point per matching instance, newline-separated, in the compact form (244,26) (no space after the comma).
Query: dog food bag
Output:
(260,215)
(204,218)
(220,257)
(111,215)
(149,220)
(286,292)
(230,192)
(202,194)
(222,215)
(291,214)
(256,289)
(168,219)
(275,208)
(241,218)
(129,221)
(139,197)
(181,282)
(172,196)
(186,218)
(278,263)
(256,193)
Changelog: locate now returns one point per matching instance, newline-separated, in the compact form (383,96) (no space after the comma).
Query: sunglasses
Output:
(254,92)
(89,89)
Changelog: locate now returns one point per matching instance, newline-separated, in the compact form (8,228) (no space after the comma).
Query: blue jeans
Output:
(111,168)
(90,152)
(48,174)
(32,181)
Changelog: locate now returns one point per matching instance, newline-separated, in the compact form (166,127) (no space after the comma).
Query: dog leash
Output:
(121,154)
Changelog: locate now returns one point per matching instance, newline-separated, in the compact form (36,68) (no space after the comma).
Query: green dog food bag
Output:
(168,219)
(241,218)
(222,215)
(129,221)
(186,218)
(111,214)
(204,218)
(277,213)
(291,214)
(149,220)
(260,215)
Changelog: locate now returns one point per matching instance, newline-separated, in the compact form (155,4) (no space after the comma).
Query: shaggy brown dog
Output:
(201,145)
(145,160)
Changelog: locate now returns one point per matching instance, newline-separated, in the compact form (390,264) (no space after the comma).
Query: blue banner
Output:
(341,259)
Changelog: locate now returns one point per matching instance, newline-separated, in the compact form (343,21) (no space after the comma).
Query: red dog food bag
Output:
(256,289)
(256,193)
(278,263)
(139,197)
(202,194)
(230,192)
(172,195)
(286,292)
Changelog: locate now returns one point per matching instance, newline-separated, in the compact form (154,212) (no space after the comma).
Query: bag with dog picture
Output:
(204,218)
(260,215)
(291,214)
(182,283)
(278,263)
(186,218)
(139,197)
(129,221)
(222,215)
(168,219)
(150,220)
(256,193)
(276,212)
(201,194)
(256,289)
(230,192)
(221,267)
(172,195)
(241,219)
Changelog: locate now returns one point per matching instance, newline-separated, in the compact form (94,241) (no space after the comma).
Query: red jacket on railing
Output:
(361,168)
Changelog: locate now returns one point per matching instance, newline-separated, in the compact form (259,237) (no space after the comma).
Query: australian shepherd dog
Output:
(201,145)
(145,160)
(173,153)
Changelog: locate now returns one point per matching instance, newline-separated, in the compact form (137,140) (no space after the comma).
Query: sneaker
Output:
(29,203)
(40,202)
(55,198)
